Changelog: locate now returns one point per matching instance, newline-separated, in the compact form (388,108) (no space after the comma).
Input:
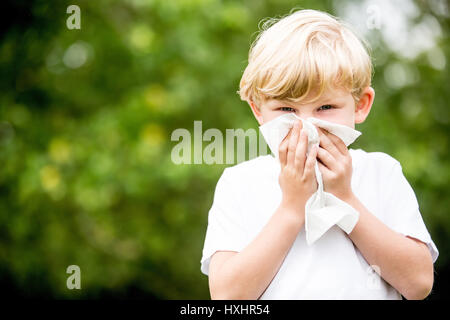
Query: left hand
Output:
(335,165)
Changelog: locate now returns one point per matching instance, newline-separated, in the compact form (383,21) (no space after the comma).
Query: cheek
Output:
(339,116)
(347,118)
(268,116)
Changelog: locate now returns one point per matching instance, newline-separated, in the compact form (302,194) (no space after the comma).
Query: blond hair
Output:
(301,55)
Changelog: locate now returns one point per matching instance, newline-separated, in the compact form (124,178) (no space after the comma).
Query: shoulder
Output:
(373,160)
(255,168)
(238,180)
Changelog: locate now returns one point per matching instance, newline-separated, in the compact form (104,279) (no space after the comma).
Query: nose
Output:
(303,115)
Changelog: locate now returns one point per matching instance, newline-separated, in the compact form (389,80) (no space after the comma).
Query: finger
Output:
(324,170)
(327,144)
(326,158)
(300,152)
(340,145)
(293,141)
(311,161)
(282,149)
(282,152)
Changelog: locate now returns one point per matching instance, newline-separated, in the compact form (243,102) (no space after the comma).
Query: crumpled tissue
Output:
(322,210)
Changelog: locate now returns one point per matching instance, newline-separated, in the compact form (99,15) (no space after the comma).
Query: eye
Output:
(287,109)
(326,107)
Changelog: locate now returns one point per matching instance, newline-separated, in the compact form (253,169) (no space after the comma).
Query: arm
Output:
(246,275)
(405,263)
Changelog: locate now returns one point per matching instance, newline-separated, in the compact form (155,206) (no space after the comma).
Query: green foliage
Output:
(86,117)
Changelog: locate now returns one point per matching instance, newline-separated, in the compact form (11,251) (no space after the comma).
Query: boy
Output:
(311,64)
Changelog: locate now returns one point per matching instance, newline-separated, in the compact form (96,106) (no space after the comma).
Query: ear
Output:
(256,112)
(364,104)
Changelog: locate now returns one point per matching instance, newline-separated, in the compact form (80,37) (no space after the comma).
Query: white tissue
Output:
(322,210)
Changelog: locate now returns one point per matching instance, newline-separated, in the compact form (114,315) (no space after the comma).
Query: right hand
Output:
(297,176)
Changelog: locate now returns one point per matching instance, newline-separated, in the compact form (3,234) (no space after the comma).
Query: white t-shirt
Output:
(248,193)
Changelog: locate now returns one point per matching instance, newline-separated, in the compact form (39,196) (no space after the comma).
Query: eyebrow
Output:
(281,104)
(286,104)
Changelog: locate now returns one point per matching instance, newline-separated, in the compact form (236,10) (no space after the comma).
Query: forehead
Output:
(328,96)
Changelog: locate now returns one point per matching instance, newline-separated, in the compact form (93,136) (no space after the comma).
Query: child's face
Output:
(337,106)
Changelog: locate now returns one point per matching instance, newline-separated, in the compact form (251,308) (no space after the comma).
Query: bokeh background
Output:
(86,116)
